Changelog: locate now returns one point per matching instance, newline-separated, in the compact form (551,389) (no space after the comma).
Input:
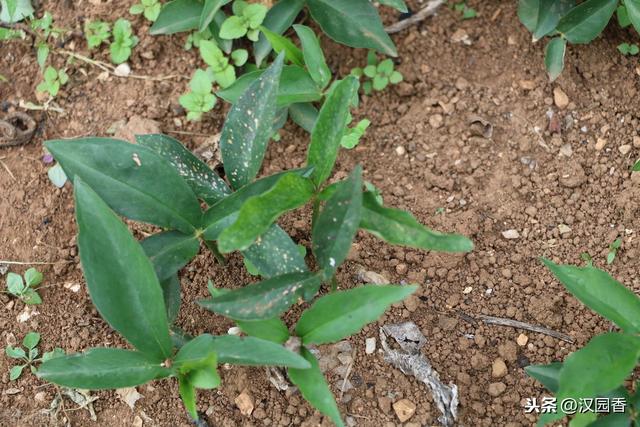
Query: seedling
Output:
(380,74)
(200,100)
(123,41)
(196,37)
(466,11)
(609,359)
(628,49)
(149,8)
(353,135)
(96,33)
(25,289)
(53,79)
(613,250)
(586,257)
(12,11)
(221,70)
(246,20)
(162,183)
(29,355)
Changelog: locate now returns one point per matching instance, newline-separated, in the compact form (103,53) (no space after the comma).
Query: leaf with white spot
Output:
(204,182)
(274,254)
(248,127)
(265,299)
(337,223)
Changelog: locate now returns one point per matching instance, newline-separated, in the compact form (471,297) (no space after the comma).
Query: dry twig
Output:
(501,321)
(420,15)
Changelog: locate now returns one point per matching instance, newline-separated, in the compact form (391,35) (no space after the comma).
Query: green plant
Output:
(613,250)
(25,289)
(246,20)
(380,74)
(352,135)
(466,11)
(636,166)
(53,79)
(200,99)
(568,22)
(600,368)
(221,69)
(149,8)
(96,33)
(29,355)
(123,41)
(160,182)
(628,49)
(12,11)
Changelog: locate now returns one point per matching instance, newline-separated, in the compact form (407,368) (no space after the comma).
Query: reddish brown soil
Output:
(518,180)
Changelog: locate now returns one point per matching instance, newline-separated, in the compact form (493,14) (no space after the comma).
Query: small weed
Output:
(613,250)
(466,11)
(352,136)
(25,289)
(199,100)
(584,256)
(29,355)
(53,80)
(246,20)
(221,69)
(379,74)
(628,49)
(149,8)
(96,33)
(123,41)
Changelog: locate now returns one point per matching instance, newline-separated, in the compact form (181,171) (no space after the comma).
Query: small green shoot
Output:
(29,355)
(24,290)
(440,211)
(196,37)
(221,70)
(53,80)
(584,256)
(628,49)
(199,100)
(246,20)
(149,8)
(352,137)
(96,33)
(466,11)
(613,250)
(123,41)
(378,74)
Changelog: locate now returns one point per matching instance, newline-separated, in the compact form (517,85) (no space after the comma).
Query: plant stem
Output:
(214,249)
(334,283)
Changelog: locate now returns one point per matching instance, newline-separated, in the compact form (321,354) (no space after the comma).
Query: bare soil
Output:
(539,169)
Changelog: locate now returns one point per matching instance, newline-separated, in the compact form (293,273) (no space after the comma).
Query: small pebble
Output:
(522,340)
(370,345)
(510,234)
(560,98)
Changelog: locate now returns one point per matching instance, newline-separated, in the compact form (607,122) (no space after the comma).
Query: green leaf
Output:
(329,129)
(399,227)
(547,375)
(33,277)
(15,372)
(259,212)
(171,294)
(274,254)
(314,388)
(239,57)
(623,16)
(340,314)
(31,340)
(251,351)
(549,14)
(224,213)
(42,53)
(31,297)
(278,19)
(56,352)
(188,395)
(636,166)
(177,16)
(554,57)
(313,56)
(102,368)
(337,224)
(281,43)
(296,85)
(234,27)
(399,5)
(254,13)
(355,23)
(169,251)
(612,420)
(268,329)
(304,114)
(195,354)
(633,11)
(214,29)
(211,7)
(136,9)
(204,182)
(265,299)
(120,278)
(352,137)
(15,285)
(600,292)
(13,11)
(132,180)
(528,13)
(247,130)
(15,352)
(586,21)
(600,366)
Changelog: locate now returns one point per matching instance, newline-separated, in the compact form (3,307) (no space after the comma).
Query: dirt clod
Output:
(496,389)
(560,98)
(244,402)
(498,369)
(404,409)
